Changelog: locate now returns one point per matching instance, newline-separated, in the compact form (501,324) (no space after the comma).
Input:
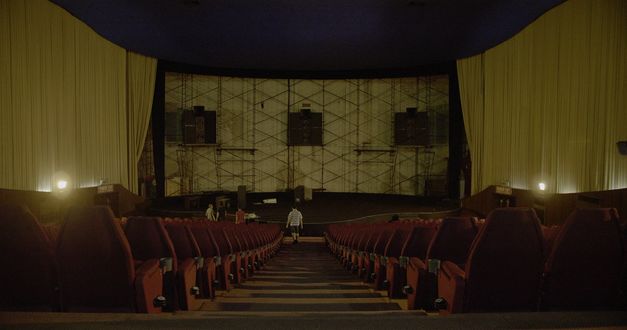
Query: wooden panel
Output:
(555,207)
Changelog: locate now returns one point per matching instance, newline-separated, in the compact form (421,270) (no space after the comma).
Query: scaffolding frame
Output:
(358,153)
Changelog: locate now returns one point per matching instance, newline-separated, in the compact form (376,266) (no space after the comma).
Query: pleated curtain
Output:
(71,102)
(549,104)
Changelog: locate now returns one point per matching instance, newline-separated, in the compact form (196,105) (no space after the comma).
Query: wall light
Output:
(61,184)
(542,186)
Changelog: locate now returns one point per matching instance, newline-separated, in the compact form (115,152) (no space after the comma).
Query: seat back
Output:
(372,239)
(244,241)
(584,268)
(236,244)
(505,263)
(149,239)
(382,241)
(399,238)
(28,277)
(222,241)
(418,241)
(185,244)
(206,241)
(549,234)
(452,240)
(250,237)
(52,232)
(96,269)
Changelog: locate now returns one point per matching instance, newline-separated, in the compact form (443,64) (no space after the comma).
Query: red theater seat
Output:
(451,242)
(210,252)
(378,274)
(186,248)
(238,260)
(503,270)
(246,252)
(97,272)
(227,257)
(363,260)
(583,271)
(354,248)
(52,232)
(549,234)
(255,231)
(28,277)
(255,251)
(149,240)
(369,253)
(395,278)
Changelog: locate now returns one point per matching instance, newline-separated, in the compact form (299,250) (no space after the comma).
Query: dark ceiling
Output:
(308,36)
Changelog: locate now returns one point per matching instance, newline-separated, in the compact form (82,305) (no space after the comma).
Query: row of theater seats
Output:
(96,263)
(507,262)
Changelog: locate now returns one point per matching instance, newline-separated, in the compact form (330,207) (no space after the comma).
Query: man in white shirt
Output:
(209,213)
(295,222)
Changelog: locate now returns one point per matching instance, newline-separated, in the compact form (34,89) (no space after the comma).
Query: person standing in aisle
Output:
(210,214)
(240,216)
(295,222)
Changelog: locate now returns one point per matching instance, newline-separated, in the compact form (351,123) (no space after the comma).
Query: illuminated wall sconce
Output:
(542,186)
(61,184)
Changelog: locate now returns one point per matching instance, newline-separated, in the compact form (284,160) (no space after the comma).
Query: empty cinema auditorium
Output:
(326,164)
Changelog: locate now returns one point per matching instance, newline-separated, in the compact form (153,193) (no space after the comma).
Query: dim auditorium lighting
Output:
(61,184)
(542,186)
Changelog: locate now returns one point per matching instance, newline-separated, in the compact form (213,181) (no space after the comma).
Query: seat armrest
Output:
(166,264)
(200,262)
(392,261)
(187,265)
(452,271)
(416,263)
(148,286)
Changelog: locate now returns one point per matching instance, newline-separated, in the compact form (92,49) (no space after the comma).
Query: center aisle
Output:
(302,277)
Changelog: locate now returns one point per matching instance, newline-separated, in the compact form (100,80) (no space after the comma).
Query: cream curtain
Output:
(141,73)
(63,101)
(549,104)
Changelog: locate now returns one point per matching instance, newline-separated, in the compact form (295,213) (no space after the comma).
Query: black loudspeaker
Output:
(199,126)
(189,127)
(411,128)
(622,147)
(241,197)
(305,128)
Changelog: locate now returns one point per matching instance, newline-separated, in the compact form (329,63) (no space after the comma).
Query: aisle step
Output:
(292,295)
(305,307)
(302,277)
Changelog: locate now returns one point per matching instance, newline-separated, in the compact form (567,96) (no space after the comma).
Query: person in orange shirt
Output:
(240,216)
